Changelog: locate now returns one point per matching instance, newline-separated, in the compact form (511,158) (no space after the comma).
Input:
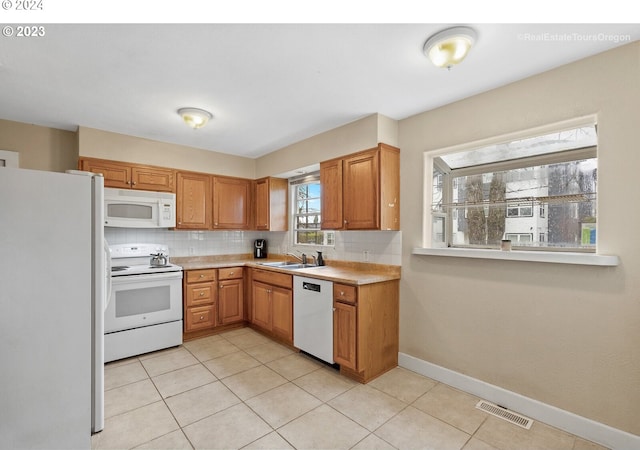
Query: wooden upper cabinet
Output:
(271,204)
(153,179)
(331,194)
(131,176)
(116,175)
(193,201)
(231,203)
(362,191)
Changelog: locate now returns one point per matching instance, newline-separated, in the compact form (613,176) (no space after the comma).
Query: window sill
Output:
(588,259)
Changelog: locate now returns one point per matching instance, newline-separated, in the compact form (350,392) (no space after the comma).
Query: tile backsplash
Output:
(382,247)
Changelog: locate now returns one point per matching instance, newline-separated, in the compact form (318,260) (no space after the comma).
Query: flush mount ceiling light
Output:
(449,47)
(195,117)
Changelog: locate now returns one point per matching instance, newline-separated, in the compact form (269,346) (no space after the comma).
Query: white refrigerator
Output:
(53,283)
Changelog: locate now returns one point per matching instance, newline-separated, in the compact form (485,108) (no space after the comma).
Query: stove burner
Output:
(119,268)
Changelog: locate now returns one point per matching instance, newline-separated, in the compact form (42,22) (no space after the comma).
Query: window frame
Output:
(328,235)
(432,162)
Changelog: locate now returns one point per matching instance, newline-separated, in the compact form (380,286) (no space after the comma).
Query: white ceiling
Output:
(267,85)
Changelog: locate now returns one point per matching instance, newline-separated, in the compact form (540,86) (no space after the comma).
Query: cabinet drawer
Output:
(200,317)
(199,294)
(202,275)
(345,293)
(229,273)
(274,278)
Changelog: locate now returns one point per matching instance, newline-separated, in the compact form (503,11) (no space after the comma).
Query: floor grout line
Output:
(292,382)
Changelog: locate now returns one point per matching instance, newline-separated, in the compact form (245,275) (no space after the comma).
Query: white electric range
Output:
(144,312)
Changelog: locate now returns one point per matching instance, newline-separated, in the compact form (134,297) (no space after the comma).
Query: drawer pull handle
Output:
(341,292)
(201,317)
(201,275)
(231,273)
(201,294)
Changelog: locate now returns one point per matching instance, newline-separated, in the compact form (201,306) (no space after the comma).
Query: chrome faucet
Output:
(302,259)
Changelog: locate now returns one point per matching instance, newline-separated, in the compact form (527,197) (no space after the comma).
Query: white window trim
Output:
(587,259)
(293,182)
(592,259)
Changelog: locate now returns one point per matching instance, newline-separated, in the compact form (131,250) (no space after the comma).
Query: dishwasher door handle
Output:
(310,286)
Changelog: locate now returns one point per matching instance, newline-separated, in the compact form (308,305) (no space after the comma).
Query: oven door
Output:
(142,300)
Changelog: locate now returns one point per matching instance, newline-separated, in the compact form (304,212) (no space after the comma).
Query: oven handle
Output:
(147,277)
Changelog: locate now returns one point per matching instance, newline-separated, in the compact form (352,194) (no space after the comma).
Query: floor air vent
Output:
(505,414)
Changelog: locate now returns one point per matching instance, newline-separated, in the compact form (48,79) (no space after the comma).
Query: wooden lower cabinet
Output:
(200,295)
(366,329)
(230,295)
(213,299)
(282,316)
(200,317)
(344,335)
(272,304)
(261,305)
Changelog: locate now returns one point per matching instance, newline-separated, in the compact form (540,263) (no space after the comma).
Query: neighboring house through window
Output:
(538,190)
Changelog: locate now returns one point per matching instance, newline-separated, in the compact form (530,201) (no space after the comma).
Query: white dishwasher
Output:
(313,317)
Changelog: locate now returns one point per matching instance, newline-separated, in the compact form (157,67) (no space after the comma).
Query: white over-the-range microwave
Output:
(126,208)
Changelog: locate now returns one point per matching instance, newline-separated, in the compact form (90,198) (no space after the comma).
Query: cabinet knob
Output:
(221,285)
(342,293)
(134,183)
(201,275)
(201,294)
(231,273)
(201,317)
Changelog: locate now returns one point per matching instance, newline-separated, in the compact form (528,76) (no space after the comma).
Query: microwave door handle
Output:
(160,219)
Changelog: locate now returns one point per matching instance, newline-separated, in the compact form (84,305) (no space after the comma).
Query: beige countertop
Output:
(337,271)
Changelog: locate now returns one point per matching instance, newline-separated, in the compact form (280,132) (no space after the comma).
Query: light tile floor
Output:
(241,390)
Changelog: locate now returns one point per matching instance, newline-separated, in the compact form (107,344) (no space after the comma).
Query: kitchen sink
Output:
(288,265)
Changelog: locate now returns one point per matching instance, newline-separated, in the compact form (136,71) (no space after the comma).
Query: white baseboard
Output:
(556,417)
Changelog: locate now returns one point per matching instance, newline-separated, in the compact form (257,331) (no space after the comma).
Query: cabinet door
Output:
(261,305)
(230,301)
(115,175)
(282,300)
(200,317)
(231,201)
(262,204)
(331,194)
(361,191)
(153,179)
(193,201)
(199,294)
(344,335)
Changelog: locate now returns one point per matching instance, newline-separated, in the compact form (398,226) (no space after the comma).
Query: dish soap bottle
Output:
(319,259)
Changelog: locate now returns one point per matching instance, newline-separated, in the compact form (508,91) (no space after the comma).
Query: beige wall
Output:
(40,148)
(120,147)
(568,336)
(355,136)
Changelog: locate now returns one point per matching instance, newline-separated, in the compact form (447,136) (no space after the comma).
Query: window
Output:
(307,213)
(515,210)
(519,238)
(539,191)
